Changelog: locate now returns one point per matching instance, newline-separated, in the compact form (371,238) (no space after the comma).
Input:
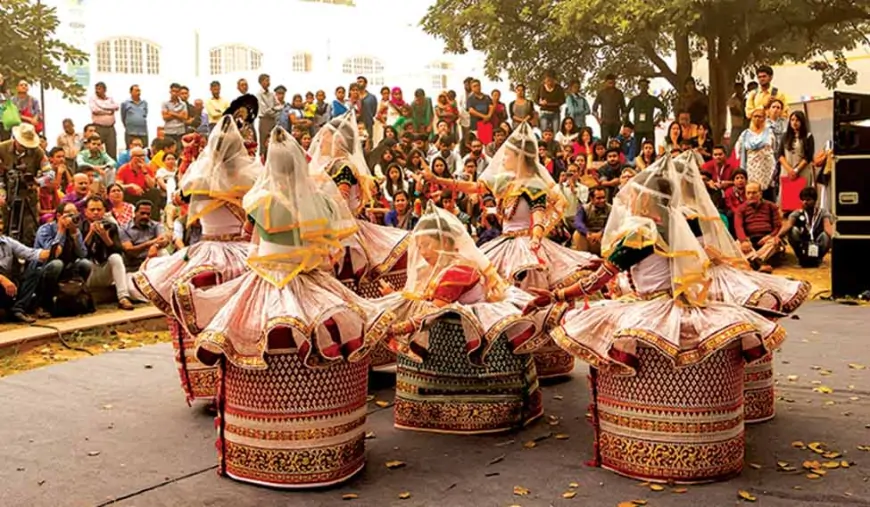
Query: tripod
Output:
(17,207)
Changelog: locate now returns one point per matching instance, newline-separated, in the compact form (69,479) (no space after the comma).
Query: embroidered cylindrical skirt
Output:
(382,358)
(759,396)
(446,393)
(667,424)
(553,362)
(289,426)
(198,381)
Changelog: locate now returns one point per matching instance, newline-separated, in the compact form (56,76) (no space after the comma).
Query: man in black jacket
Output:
(103,242)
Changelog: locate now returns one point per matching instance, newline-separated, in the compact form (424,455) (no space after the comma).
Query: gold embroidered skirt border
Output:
(290,426)
(759,393)
(553,362)
(198,381)
(382,358)
(672,425)
(447,394)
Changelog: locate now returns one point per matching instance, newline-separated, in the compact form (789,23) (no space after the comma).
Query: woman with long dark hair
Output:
(673,140)
(795,157)
(647,155)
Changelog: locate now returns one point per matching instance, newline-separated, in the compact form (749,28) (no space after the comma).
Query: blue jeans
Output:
(55,271)
(552,120)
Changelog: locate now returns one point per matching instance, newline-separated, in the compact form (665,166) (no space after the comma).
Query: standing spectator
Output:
(462,107)
(369,104)
(268,112)
(174,113)
(194,111)
(694,101)
(499,113)
(445,111)
(72,261)
(521,109)
(242,86)
(104,251)
(134,117)
(480,106)
(628,141)
(795,155)
(644,106)
(121,210)
(590,221)
(421,113)
(19,292)
(103,110)
(609,108)
(71,142)
(757,224)
(737,113)
(550,98)
(216,105)
(777,122)
(143,238)
(339,104)
(323,112)
(755,152)
(576,106)
(809,230)
(28,106)
(760,97)
(96,161)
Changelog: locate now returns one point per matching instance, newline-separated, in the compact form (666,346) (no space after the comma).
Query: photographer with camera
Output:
(19,289)
(21,160)
(105,251)
(71,265)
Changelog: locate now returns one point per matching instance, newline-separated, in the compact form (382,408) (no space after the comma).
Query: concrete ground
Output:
(114,430)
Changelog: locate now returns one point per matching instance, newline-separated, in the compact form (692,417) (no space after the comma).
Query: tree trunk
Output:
(722,77)
(684,60)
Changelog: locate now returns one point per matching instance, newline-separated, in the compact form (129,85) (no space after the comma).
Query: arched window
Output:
(438,75)
(301,62)
(125,55)
(234,58)
(371,68)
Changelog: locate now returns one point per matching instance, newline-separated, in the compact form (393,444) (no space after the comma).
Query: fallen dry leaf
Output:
(94,453)
(755,466)
(558,397)
(656,487)
(530,444)
(573,485)
(639,502)
(497,459)
(521,491)
(404,496)
(864,448)
(370,397)
(792,378)
(823,390)
(809,465)
(395,464)
(382,404)
(845,464)
(562,436)
(746,495)
(349,496)
(370,435)
(831,464)
(679,491)
(856,366)
(799,445)
(813,476)
(831,455)
(818,471)
(569,494)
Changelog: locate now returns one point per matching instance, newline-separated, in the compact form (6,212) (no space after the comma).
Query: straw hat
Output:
(26,135)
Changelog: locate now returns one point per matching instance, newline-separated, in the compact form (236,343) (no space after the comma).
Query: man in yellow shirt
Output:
(760,97)
(216,105)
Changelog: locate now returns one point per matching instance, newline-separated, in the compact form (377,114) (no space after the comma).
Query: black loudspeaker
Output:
(851,194)
(849,277)
(851,123)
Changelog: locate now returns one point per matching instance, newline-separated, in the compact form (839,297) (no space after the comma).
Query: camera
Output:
(75,218)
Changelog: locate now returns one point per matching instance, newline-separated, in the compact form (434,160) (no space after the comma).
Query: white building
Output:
(306,45)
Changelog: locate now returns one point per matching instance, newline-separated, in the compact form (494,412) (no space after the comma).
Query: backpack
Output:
(72,299)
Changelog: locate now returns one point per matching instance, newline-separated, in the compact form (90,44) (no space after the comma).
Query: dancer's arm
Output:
(467,187)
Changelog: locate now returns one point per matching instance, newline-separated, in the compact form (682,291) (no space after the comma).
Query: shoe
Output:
(125,304)
(767,269)
(23,317)
(42,314)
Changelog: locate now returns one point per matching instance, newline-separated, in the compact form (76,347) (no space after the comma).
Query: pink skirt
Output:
(553,266)
(157,277)
(375,249)
(770,294)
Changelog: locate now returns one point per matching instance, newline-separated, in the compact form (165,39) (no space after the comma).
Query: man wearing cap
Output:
(21,160)
(644,106)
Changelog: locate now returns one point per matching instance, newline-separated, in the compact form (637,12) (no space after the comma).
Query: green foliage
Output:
(26,32)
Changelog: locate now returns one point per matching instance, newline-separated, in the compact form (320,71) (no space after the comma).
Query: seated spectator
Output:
(95,160)
(401,215)
(448,203)
(757,224)
(590,221)
(477,156)
(163,147)
(126,155)
(121,210)
(72,260)
(184,233)
(62,171)
(735,196)
(143,238)
(49,196)
(19,289)
(103,243)
(625,176)
(80,192)
(490,227)
(721,169)
(609,173)
(135,176)
(809,230)
(499,136)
